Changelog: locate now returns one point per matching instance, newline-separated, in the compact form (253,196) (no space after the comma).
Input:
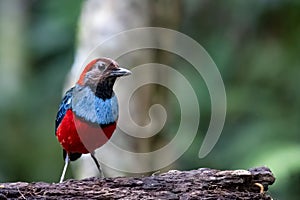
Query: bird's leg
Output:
(98,164)
(67,160)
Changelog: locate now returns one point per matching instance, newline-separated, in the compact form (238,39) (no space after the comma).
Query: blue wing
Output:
(65,105)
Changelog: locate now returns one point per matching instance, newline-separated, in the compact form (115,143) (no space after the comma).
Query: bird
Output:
(88,113)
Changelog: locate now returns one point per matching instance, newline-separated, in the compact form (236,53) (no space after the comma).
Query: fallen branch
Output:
(196,184)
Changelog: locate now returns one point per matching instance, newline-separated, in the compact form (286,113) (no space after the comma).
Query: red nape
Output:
(79,136)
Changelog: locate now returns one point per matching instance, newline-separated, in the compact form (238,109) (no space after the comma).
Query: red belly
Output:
(79,136)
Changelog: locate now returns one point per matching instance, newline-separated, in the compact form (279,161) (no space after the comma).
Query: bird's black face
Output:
(102,75)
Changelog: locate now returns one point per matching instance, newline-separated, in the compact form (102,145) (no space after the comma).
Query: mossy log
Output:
(202,183)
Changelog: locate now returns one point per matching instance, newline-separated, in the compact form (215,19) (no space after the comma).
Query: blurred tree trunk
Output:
(101,19)
(12,59)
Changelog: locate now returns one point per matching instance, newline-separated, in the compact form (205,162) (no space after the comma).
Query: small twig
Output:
(261,187)
(22,195)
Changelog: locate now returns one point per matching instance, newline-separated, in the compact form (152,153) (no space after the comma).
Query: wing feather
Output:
(65,105)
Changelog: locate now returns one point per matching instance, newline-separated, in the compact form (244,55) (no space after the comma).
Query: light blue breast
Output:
(106,110)
(92,108)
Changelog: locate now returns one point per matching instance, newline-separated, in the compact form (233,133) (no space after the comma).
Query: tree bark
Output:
(203,183)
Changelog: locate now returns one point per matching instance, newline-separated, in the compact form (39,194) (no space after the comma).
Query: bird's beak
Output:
(120,72)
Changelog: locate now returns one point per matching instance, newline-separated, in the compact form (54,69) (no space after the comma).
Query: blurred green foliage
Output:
(255,44)
(27,143)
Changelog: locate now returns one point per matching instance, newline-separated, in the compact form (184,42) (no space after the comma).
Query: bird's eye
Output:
(101,66)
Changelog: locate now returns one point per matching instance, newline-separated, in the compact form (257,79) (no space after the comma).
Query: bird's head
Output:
(100,74)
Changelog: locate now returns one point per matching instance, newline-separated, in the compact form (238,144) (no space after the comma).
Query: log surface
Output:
(203,183)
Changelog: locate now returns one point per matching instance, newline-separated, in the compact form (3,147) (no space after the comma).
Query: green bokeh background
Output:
(255,44)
